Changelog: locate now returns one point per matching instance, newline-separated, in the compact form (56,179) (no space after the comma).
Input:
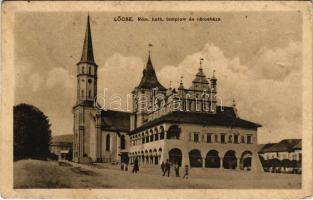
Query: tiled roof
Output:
(58,139)
(286,145)
(262,147)
(221,118)
(298,146)
(115,120)
(149,79)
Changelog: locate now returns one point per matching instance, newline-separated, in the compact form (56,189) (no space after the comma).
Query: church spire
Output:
(149,79)
(200,68)
(181,84)
(87,54)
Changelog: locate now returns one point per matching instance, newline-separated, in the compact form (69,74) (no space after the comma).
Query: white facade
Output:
(196,138)
(293,155)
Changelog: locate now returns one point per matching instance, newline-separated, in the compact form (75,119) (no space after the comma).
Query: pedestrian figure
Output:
(163,167)
(167,168)
(136,166)
(177,169)
(126,163)
(122,166)
(186,172)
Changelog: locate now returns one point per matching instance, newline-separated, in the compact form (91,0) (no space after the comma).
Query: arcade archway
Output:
(175,156)
(245,160)
(195,158)
(230,160)
(212,159)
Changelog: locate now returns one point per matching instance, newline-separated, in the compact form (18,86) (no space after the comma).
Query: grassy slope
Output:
(40,174)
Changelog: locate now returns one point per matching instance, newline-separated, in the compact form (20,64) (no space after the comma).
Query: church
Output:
(184,125)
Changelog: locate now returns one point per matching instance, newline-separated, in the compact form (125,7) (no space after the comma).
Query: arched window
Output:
(147,137)
(108,143)
(173,132)
(143,139)
(82,93)
(89,93)
(156,134)
(83,70)
(151,137)
(161,133)
(89,70)
(122,142)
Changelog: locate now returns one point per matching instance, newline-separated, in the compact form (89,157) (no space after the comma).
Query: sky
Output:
(257,57)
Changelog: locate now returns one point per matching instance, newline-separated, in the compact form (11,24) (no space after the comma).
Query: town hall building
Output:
(186,126)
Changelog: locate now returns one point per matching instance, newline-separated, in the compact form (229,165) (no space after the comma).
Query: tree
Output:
(32,134)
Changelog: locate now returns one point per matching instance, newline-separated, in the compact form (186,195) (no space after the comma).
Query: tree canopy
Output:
(32,134)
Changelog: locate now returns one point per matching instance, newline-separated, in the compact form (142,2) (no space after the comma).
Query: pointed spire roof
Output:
(181,84)
(200,76)
(149,79)
(87,54)
(213,76)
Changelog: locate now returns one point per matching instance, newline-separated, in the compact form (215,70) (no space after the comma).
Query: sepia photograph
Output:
(131,95)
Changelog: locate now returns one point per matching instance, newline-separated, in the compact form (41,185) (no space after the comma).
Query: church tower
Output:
(143,93)
(84,109)
(213,92)
(87,72)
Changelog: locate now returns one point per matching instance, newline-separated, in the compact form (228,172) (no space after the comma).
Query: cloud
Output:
(35,81)
(267,92)
(277,64)
(60,77)
(120,75)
